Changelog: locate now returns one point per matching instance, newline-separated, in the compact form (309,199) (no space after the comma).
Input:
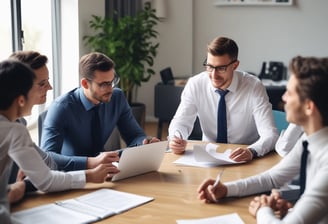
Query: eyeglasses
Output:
(220,69)
(43,84)
(104,85)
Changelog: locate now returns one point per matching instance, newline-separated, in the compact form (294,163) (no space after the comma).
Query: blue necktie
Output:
(222,118)
(303,167)
(96,132)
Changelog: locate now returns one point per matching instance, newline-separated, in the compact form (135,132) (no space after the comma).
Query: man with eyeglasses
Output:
(306,106)
(79,122)
(247,113)
(21,185)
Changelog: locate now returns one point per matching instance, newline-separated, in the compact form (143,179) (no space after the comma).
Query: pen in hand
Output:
(218,178)
(149,139)
(178,136)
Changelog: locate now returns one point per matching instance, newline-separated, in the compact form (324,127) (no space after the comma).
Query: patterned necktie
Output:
(96,132)
(303,167)
(222,118)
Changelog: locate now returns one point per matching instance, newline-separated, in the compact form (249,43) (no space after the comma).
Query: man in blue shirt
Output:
(68,127)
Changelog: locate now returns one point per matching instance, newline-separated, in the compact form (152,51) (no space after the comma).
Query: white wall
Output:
(263,33)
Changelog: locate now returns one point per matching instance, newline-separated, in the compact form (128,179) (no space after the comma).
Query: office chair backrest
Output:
(41,118)
(167,76)
(196,133)
(280,120)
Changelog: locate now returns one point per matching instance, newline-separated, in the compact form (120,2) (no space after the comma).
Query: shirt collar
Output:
(317,140)
(87,104)
(234,83)
(3,118)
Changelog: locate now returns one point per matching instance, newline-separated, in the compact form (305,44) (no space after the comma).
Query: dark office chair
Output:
(41,118)
(167,99)
(275,96)
(196,133)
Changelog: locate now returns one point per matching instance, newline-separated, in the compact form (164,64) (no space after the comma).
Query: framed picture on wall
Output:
(253,2)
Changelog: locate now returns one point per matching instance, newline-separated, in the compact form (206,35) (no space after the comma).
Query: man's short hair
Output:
(223,45)
(312,76)
(93,61)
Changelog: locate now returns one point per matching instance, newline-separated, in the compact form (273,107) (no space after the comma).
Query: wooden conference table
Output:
(174,188)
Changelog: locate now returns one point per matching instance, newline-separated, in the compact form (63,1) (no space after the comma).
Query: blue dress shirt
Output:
(67,126)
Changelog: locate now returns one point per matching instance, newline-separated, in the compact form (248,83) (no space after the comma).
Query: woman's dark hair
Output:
(16,79)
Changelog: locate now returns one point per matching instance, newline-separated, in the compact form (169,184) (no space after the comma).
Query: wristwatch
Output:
(255,155)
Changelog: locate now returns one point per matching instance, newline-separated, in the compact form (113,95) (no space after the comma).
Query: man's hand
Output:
(208,193)
(102,158)
(281,205)
(177,145)
(259,202)
(149,140)
(241,154)
(20,175)
(16,192)
(103,172)
(278,205)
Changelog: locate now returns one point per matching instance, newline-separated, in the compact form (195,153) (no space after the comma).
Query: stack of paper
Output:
(85,209)
(205,156)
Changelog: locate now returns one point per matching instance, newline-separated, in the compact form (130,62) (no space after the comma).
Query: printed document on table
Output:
(87,208)
(52,214)
(205,156)
(232,218)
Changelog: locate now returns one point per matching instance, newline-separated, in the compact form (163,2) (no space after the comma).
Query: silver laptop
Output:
(140,159)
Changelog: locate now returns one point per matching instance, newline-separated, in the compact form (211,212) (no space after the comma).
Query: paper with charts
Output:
(205,155)
(87,208)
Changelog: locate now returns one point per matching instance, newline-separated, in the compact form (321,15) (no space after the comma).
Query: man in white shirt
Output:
(288,139)
(306,105)
(249,118)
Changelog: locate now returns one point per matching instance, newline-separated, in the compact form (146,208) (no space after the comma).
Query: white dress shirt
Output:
(249,112)
(312,207)
(288,139)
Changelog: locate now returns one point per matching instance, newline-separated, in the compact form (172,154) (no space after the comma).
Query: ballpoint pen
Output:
(218,178)
(177,134)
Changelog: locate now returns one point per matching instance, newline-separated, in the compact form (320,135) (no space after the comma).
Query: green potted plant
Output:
(131,43)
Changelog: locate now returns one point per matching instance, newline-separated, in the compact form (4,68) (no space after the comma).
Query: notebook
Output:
(140,159)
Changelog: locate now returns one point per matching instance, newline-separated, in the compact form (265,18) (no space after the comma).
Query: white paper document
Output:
(84,209)
(233,218)
(205,156)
